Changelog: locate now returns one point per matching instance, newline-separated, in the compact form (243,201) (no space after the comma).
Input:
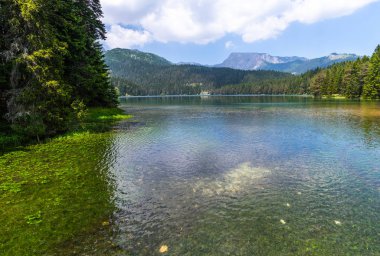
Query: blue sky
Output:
(206,32)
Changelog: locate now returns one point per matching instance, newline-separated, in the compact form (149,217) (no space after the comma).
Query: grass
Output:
(55,196)
(96,120)
(334,96)
(105,115)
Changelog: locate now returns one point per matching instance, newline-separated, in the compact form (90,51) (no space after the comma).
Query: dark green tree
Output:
(318,84)
(85,69)
(351,85)
(371,89)
(51,64)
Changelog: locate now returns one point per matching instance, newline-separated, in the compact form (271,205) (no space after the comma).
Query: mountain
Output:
(139,73)
(295,65)
(254,61)
(135,56)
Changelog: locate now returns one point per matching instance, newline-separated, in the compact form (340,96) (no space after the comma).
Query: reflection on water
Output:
(248,176)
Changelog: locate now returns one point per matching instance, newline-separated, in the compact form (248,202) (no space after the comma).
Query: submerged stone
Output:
(234,181)
(163,249)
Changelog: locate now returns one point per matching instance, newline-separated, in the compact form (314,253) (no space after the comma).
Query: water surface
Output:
(248,176)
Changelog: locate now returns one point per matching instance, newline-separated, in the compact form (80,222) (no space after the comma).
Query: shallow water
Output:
(247,176)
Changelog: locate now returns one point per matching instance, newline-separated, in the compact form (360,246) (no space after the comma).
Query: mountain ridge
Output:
(254,60)
(293,64)
(238,60)
(138,73)
(136,55)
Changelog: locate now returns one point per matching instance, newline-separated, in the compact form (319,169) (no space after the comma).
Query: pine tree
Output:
(85,69)
(318,84)
(9,47)
(39,97)
(371,89)
(51,63)
(351,86)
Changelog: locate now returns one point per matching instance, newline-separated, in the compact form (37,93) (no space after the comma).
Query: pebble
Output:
(163,249)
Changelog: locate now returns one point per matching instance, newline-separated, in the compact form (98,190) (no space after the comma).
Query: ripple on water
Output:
(227,179)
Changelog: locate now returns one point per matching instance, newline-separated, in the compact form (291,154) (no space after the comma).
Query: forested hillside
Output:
(139,73)
(286,85)
(51,64)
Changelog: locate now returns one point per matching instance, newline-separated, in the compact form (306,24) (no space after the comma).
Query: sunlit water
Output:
(248,176)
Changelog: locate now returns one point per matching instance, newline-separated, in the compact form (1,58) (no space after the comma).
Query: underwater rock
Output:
(234,181)
(163,249)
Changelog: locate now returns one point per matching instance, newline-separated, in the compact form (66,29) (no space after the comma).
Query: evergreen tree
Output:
(85,69)
(318,83)
(351,86)
(51,63)
(9,47)
(39,98)
(371,89)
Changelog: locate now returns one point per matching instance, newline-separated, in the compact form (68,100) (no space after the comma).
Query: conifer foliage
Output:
(51,64)
(372,84)
(353,79)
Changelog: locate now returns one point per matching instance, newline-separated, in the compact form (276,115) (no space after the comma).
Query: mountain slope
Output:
(298,65)
(125,55)
(138,73)
(254,61)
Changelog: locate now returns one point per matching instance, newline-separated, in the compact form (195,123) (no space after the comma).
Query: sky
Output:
(207,31)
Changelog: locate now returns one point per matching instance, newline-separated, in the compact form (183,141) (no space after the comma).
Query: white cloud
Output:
(229,45)
(121,37)
(205,21)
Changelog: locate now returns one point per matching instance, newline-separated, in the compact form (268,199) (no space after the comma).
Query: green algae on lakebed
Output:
(53,194)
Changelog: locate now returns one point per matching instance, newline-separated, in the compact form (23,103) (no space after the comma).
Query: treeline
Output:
(51,64)
(182,79)
(136,77)
(126,87)
(287,85)
(355,79)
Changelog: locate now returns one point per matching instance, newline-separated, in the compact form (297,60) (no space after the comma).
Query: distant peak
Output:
(254,60)
(248,54)
(338,56)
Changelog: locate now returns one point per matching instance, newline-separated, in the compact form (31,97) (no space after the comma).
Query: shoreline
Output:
(54,196)
(219,95)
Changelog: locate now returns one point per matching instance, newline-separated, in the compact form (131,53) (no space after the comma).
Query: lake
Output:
(247,175)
